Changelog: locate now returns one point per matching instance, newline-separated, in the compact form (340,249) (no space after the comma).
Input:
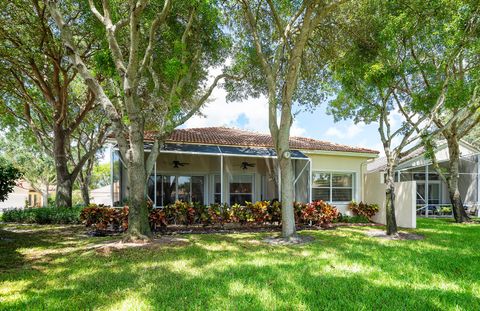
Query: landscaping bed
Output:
(251,217)
(232,228)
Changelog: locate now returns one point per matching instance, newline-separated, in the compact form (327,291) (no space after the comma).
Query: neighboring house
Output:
(102,195)
(431,191)
(226,165)
(23,195)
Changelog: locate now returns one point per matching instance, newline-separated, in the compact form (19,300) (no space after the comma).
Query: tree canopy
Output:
(157,54)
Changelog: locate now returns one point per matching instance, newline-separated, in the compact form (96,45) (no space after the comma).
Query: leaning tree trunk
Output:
(138,226)
(84,178)
(85,193)
(454,193)
(63,196)
(391,222)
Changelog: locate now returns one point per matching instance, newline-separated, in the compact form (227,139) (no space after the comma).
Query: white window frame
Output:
(330,188)
(214,193)
(252,175)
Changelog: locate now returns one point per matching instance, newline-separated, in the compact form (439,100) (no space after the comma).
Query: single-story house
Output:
(431,191)
(23,195)
(227,165)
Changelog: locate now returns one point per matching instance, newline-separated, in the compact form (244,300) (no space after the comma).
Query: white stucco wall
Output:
(405,200)
(16,199)
(342,164)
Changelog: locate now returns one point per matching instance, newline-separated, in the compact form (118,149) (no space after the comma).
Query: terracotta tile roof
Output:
(236,137)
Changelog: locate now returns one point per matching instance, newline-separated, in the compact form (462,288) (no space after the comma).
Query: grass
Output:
(55,267)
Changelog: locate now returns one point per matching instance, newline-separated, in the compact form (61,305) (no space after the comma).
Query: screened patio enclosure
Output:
(432,192)
(209,174)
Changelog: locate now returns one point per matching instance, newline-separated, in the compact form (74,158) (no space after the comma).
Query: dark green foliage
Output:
(8,175)
(44,215)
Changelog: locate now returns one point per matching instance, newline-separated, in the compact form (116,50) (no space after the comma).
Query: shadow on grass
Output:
(341,269)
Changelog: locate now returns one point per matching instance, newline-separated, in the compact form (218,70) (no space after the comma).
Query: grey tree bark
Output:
(130,68)
(281,74)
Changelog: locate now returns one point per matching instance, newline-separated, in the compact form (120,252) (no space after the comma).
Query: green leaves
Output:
(104,63)
(8,177)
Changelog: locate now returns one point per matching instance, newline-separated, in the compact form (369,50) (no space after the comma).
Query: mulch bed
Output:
(231,228)
(279,241)
(381,234)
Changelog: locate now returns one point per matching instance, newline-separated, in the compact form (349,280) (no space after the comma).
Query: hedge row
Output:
(43,215)
(317,213)
(181,213)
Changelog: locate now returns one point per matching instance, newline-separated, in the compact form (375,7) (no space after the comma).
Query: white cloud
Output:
(297,130)
(250,114)
(345,132)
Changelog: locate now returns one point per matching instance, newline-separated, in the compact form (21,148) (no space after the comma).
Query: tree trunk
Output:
(85,193)
(288,217)
(286,174)
(45,196)
(44,199)
(138,226)
(63,196)
(455,199)
(84,181)
(391,222)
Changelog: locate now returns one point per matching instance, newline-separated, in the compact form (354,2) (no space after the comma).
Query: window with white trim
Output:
(217,189)
(332,186)
(241,189)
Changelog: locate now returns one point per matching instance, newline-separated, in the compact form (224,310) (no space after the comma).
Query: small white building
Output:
(23,195)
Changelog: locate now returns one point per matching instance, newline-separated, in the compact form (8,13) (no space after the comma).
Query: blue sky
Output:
(252,114)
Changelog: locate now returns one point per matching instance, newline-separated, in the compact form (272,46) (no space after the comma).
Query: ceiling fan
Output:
(177,164)
(246,165)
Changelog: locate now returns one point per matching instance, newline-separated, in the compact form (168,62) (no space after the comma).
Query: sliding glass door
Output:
(168,189)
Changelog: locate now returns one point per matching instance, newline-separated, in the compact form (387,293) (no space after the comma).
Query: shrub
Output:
(261,212)
(219,214)
(298,209)
(157,219)
(274,211)
(364,209)
(319,213)
(105,218)
(241,214)
(445,210)
(180,213)
(258,211)
(43,215)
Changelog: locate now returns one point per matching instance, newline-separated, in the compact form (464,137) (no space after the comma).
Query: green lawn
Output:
(55,267)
